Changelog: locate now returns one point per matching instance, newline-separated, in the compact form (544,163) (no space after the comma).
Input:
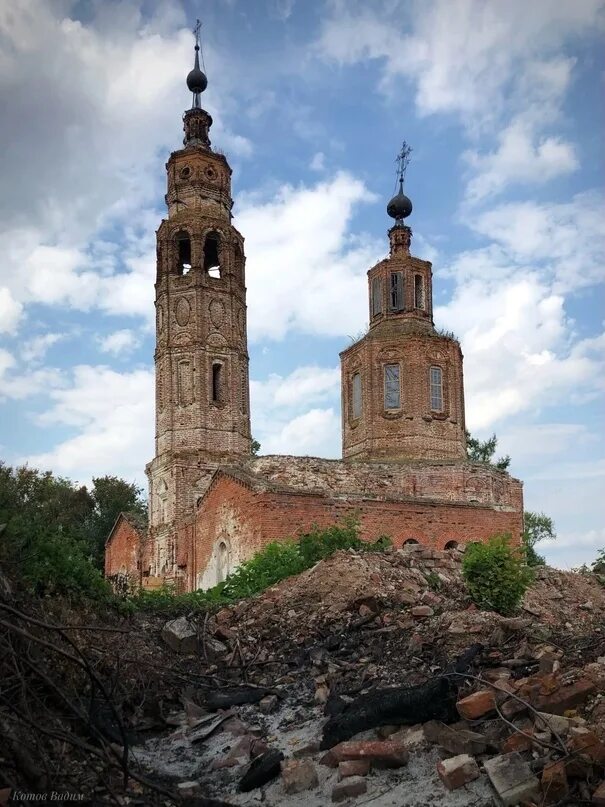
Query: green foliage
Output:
(274,563)
(433,581)
(254,447)
(496,575)
(45,543)
(484,450)
(111,496)
(598,566)
(536,527)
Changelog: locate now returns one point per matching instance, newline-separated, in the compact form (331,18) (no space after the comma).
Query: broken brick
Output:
(476,705)
(298,775)
(554,783)
(512,779)
(422,610)
(383,753)
(349,788)
(457,771)
(566,697)
(598,797)
(353,767)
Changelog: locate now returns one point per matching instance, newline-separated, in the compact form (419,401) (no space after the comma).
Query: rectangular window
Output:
(216,382)
(418,291)
(376,296)
(356,396)
(392,388)
(396,296)
(436,379)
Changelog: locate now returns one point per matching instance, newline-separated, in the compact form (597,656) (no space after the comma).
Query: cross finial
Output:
(196,33)
(403,160)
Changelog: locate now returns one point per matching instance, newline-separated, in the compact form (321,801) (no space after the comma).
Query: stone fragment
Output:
(512,779)
(298,775)
(556,723)
(586,744)
(383,753)
(554,783)
(189,789)
(422,611)
(455,741)
(457,771)
(353,767)
(268,704)
(308,750)
(598,797)
(566,697)
(349,788)
(365,610)
(321,694)
(411,736)
(180,635)
(477,704)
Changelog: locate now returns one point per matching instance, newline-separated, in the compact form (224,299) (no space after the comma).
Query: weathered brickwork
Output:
(244,514)
(123,549)
(212,505)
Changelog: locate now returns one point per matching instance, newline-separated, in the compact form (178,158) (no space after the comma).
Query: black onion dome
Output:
(196,80)
(400,206)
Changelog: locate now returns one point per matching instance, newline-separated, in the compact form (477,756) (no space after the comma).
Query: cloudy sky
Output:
(502,103)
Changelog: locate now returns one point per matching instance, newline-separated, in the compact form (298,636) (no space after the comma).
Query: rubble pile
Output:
(314,685)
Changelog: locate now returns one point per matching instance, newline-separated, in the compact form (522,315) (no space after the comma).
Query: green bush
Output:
(496,574)
(272,564)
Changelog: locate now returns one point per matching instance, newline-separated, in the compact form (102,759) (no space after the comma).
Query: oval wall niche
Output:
(217,313)
(182,311)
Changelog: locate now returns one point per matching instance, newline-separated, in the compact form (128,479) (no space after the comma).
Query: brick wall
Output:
(247,519)
(122,551)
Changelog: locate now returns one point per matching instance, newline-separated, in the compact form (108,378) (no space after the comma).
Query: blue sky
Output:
(502,104)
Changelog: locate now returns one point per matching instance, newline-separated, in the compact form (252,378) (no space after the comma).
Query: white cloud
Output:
(305,271)
(534,444)
(318,161)
(298,413)
(10,311)
(464,55)
(112,415)
(519,158)
(119,342)
(35,349)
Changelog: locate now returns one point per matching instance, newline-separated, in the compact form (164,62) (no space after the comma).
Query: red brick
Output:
(477,704)
(565,697)
(353,767)
(554,783)
(383,753)
(349,788)
(457,771)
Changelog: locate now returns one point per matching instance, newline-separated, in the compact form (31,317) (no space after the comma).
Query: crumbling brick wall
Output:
(123,550)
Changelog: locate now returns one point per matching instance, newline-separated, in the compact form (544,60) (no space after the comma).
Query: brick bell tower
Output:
(402,383)
(201,357)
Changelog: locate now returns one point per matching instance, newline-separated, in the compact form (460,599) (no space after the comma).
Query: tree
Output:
(111,496)
(254,447)
(483,451)
(536,527)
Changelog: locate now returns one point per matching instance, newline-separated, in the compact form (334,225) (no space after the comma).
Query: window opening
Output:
(410,542)
(184,252)
(451,545)
(436,379)
(419,291)
(356,396)
(222,562)
(211,255)
(396,296)
(376,296)
(392,388)
(216,382)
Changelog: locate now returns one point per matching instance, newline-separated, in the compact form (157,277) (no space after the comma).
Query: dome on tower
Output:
(400,206)
(196,80)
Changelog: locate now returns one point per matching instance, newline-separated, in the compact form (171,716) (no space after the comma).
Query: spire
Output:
(197,121)
(196,80)
(400,206)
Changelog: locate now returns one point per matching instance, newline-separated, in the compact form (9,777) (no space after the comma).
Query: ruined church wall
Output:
(122,552)
(248,520)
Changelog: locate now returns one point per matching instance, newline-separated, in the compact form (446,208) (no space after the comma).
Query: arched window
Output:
(410,542)
(217,382)
(211,255)
(183,245)
(419,292)
(451,545)
(396,292)
(436,391)
(376,296)
(356,396)
(392,387)
(222,562)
